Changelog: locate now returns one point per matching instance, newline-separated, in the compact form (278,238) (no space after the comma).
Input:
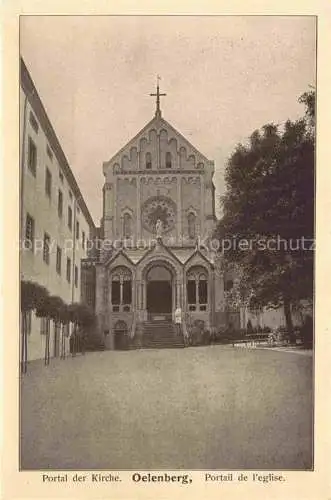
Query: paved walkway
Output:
(197,408)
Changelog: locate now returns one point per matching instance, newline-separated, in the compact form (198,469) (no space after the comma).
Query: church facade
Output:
(158,215)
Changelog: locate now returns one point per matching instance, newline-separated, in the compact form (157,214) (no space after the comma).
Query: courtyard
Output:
(208,408)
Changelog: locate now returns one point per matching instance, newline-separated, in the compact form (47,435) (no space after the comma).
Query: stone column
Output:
(108,210)
(202,206)
(142,296)
(138,209)
(99,305)
(183,289)
(211,298)
(144,300)
(179,209)
(178,297)
(109,293)
(137,288)
(115,232)
(197,292)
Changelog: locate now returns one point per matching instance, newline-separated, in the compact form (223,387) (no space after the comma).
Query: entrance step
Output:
(159,335)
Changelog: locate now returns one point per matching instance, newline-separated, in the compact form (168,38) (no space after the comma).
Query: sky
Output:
(224,76)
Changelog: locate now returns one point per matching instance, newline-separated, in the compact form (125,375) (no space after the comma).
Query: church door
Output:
(159,291)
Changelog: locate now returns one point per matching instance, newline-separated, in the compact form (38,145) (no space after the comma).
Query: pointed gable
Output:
(119,259)
(160,251)
(157,146)
(198,258)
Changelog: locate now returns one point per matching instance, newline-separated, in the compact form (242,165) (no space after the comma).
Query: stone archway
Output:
(159,280)
(159,290)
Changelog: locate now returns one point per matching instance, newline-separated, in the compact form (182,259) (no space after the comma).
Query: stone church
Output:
(155,268)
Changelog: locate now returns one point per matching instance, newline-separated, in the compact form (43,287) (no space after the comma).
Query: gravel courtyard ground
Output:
(198,408)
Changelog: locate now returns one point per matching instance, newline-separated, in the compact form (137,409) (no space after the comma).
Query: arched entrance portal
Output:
(159,291)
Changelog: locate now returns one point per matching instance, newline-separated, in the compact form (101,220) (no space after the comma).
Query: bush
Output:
(228,334)
(307,332)
(249,327)
(198,333)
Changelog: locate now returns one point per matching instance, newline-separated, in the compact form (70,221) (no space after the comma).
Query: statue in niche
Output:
(158,228)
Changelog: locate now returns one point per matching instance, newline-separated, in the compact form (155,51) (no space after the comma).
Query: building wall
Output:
(37,340)
(43,208)
(188,192)
(274,318)
(129,184)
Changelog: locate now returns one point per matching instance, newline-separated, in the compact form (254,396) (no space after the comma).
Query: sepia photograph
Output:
(167,244)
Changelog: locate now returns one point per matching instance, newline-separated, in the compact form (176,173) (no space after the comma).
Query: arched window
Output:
(191,225)
(148,160)
(127,229)
(168,160)
(121,289)
(197,289)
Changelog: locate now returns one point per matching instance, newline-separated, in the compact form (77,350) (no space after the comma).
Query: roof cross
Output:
(158,95)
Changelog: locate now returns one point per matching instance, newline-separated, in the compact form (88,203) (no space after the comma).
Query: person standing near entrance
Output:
(178,320)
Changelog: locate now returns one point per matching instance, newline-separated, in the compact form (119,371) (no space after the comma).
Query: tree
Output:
(58,313)
(64,321)
(50,308)
(269,213)
(73,314)
(83,319)
(32,296)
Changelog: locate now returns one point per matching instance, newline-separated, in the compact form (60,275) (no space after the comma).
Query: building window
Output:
(48,183)
(168,160)
(76,276)
(115,292)
(121,290)
(29,232)
(148,160)
(33,122)
(197,289)
(58,260)
(126,226)
(49,152)
(77,230)
(68,269)
(83,240)
(47,241)
(127,292)
(191,291)
(32,157)
(61,176)
(60,204)
(191,226)
(203,291)
(70,195)
(70,218)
